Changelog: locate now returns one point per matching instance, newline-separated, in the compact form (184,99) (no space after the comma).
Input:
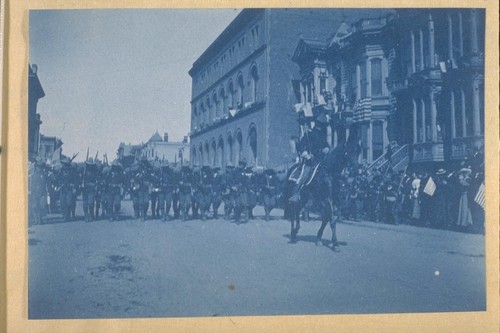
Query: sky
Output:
(118,75)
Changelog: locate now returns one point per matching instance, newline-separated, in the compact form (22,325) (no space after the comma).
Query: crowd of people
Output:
(447,199)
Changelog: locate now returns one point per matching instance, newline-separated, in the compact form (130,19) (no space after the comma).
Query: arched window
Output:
(200,157)
(202,119)
(255,78)
(241,86)
(195,118)
(215,102)
(252,145)
(220,152)
(209,110)
(230,151)
(238,149)
(230,95)
(207,154)
(213,156)
(193,157)
(222,99)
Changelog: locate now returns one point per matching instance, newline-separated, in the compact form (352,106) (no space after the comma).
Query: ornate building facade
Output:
(412,79)
(243,86)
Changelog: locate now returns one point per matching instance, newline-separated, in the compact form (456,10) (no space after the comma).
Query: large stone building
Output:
(412,79)
(243,85)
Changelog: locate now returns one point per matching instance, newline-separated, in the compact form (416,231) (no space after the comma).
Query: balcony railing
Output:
(400,159)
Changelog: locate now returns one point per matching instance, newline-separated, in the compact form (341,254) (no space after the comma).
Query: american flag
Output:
(480,196)
(430,187)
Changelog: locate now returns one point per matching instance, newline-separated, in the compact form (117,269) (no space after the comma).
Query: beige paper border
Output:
(13,215)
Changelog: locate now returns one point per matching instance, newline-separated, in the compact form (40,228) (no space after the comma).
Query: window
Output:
(220,153)
(216,105)
(214,154)
(241,87)
(377,139)
(222,98)
(230,95)
(362,81)
(252,145)
(255,79)
(238,147)
(230,152)
(376,72)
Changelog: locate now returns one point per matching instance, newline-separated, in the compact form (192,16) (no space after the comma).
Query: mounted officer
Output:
(89,185)
(312,147)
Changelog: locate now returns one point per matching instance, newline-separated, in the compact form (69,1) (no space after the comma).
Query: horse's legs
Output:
(333,226)
(325,216)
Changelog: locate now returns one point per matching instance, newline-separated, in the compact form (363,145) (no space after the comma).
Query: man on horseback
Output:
(312,147)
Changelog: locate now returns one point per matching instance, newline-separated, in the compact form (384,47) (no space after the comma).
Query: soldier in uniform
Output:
(241,200)
(143,182)
(67,180)
(99,188)
(205,191)
(155,190)
(217,188)
(90,178)
(166,183)
(115,182)
(228,192)
(177,175)
(269,192)
(185,192)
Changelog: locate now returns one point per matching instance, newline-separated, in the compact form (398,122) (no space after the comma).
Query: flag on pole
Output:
(430,187)
(480,196)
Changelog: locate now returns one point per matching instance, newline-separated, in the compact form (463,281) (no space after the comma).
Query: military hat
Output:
(441,172)
(270,172)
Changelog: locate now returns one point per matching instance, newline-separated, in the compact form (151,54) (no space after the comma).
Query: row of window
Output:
(228,151)
(235,54)
(229,96)
(460,38)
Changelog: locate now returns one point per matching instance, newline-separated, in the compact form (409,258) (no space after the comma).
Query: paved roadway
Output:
(210,268)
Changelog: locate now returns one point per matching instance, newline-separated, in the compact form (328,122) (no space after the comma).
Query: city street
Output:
(130,268)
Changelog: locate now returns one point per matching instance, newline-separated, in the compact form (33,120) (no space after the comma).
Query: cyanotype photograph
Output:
(255,162)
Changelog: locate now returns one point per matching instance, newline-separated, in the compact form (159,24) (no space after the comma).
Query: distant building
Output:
(35,92)
(245,84)
(157,148)
(48,146)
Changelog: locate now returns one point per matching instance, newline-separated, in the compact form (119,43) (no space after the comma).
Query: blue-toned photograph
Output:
(255,162)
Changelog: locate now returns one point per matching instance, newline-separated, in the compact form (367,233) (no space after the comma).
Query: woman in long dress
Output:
(464,216)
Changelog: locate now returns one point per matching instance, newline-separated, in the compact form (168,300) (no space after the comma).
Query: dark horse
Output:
(323,188)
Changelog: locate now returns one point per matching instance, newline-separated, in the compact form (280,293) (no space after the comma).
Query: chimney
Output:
(165,137)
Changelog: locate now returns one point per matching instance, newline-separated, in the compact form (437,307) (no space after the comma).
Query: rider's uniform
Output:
(312,147)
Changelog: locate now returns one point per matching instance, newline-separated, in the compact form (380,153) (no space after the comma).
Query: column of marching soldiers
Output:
(447,199)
